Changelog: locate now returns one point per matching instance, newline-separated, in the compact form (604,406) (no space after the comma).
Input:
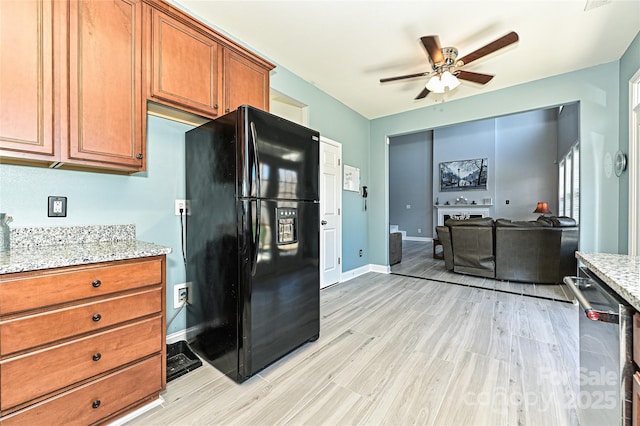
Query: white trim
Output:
(138,412)
(380,269)
(355,273)
(634,164)
(425,239)
(186,334)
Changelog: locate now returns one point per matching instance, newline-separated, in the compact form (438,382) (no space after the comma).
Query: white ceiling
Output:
(345,47)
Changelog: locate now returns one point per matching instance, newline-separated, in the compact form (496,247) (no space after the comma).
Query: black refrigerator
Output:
(252,239)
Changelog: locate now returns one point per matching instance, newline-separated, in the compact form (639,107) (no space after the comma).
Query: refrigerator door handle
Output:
(256,162)
(256,239)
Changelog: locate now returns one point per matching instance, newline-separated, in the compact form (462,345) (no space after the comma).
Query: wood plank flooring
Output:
(398,350)
(418,261)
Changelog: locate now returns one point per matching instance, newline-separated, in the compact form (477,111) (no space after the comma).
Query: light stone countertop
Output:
(55,247)
(619,271)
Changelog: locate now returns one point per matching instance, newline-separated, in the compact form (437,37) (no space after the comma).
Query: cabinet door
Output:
(185,69)
(245,82)
(105,90)
(26,86)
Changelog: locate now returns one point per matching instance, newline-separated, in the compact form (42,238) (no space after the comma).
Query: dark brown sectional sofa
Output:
(541,251)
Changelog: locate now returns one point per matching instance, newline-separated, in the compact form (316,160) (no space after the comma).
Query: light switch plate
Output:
(57,206)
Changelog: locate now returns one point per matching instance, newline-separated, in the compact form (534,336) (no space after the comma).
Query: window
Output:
(569,184)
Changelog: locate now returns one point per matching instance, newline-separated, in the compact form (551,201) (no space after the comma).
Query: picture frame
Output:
(464,175)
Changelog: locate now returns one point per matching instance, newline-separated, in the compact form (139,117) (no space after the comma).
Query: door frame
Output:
(339,199)
(634,164)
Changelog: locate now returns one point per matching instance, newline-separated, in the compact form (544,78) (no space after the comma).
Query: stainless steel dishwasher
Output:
(606,359)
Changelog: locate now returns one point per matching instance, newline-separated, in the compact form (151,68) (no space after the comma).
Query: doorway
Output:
(330,212)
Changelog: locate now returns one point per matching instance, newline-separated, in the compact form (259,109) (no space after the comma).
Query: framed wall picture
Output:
(464,175)
(351,178)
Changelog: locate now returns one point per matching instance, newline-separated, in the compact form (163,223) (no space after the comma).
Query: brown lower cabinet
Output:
(92,356)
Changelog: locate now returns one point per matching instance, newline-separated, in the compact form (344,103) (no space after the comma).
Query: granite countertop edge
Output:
(619,271)
(26,259)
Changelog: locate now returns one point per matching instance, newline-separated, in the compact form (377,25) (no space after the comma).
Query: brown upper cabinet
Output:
(185,66)
(76,76)
(246,82)
(105,124)
(26,83)
(195,69)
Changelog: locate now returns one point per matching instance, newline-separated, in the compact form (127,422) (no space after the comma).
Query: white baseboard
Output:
(354,273)
(186,334)
(381,269)
(425,239)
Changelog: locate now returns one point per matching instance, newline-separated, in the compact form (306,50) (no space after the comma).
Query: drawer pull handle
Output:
(97,356)
(96,403)
(96,317)
(96,283)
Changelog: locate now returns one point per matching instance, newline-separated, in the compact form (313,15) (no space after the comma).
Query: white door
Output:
(330,208)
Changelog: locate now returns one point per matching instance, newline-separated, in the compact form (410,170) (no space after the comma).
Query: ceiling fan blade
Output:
(504,41)
(403,77)
(422,94)
(432,44)
(474,77)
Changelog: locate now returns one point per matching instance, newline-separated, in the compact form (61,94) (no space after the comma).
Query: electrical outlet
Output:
(182,204)
(182,294)
(57,206)
(419,230)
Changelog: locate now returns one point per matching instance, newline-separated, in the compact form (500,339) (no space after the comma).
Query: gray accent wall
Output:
(522,151)
(527,167)
(410,180)
(465,141)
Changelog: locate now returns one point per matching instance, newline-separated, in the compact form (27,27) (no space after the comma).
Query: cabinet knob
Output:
(97,356)
(227,110)
(216,106)
(139,156)
(96,317)
(96,403)
(96,283)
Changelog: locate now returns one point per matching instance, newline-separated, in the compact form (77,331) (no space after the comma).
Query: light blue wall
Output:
(146,199)
(597,89)
(336,121)
(629,65)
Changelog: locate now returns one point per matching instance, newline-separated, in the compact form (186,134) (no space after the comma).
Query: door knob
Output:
(324,222)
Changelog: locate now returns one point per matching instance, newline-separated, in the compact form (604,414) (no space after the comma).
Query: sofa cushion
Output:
(563,221)
(474,221)
(521,224)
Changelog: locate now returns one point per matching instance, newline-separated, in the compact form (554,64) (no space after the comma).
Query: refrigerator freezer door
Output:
(282,157)
(281,291)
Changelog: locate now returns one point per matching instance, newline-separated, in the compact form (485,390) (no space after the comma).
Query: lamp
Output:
(439,83)
(542,208)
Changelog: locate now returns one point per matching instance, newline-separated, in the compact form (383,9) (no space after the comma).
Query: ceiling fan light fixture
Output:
(449,80)
(435,84)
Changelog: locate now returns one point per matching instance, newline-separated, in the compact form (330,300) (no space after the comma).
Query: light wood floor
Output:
(418,261)
(397,350)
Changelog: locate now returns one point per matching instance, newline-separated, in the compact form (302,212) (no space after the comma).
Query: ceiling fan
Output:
(446,65)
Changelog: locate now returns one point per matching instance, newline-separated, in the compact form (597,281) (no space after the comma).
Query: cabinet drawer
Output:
(40,372)
(109,394)
(64,285)
(34,330)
